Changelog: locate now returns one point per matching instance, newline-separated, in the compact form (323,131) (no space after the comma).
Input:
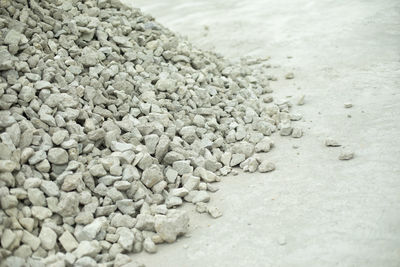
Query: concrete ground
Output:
(313,210)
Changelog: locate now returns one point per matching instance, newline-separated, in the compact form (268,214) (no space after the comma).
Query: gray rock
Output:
(39,85)
(120,220)
(126,206)
(37,157)
(27,93)
(90,231)
(97,170)
(36,197)
(58,156)
(182,167)
(69,204)
(50,188)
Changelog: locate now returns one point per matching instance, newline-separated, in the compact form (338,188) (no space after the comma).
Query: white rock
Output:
(68,241)
(182,167)
(152,175)
(331,142)
(87,248)
(85,262)
(48,238)
(237,159)
(31,240)
(348,105)
(346,154)
(122,260)
(7,238)
(41,213)
(266,166)
(121,147)
(297,133)
(170,226)
(214,212)
(126,238)
(149,245)
(7,165)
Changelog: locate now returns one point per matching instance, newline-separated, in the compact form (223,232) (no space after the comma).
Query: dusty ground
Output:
(314,210)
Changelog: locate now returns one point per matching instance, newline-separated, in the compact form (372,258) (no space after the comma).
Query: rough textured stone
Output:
(151,176)
(58,156)
(170,226)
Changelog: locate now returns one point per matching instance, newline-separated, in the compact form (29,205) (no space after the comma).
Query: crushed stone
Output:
(109,122)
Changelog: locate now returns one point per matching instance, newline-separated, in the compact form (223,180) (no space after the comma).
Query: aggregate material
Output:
(108,123)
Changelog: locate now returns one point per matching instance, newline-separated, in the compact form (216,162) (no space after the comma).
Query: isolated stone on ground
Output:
(331,142)
(346,154)
(266,166)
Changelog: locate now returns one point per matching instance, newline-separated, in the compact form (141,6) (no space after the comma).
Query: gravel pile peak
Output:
(108,123)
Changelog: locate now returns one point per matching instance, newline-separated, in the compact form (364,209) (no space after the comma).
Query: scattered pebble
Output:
(346,154)
(289,76)
(331,142)
(300,102)
(214,212)
(348,105)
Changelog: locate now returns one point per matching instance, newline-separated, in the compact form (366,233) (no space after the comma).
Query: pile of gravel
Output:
(108,123)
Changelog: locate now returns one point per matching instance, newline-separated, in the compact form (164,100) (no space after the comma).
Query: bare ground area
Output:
(313,210)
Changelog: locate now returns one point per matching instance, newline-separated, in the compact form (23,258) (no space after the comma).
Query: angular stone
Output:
(72,182)
(126,238)
(31,240)
(266,166)
(68,241)
(151,176)
(58,156)
(41,213)
(68,204)
(50,188)
(48,238)
(87,248)
(237,159)
(182,167)
(172,225)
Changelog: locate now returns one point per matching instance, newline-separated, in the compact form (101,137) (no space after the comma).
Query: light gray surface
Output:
(327,212)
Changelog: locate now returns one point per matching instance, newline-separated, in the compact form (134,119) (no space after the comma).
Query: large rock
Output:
(172,225)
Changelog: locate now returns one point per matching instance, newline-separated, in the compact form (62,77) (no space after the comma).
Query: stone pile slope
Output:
(108,123)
